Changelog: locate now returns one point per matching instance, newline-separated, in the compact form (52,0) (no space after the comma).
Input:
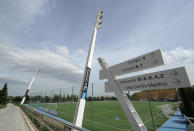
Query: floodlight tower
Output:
(28,89)
(79,113)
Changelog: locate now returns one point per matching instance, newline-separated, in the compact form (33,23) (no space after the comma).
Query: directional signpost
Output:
(172,78)
(146,61)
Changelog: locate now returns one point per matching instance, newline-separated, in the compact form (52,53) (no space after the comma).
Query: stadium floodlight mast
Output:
(78,117)
(28,89)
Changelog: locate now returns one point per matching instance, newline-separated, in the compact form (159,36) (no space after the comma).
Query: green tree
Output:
(1,97)
(113,98)
(135,97)
(10,98)
(64,98)
(17,99)
(3,94)
(27,99)
(56,98)
(68,97)
(187,99)
(47,99)
(89,98)
(102,98)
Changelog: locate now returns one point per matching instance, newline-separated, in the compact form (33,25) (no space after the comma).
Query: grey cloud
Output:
(20,14)
(53,64)
(13,81)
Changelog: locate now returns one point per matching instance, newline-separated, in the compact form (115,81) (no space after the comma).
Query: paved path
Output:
(11,119)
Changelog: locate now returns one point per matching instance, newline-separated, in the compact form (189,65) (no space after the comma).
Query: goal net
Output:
(167,110)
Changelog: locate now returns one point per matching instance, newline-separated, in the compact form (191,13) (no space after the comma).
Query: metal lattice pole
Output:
(29,86)
(79,112)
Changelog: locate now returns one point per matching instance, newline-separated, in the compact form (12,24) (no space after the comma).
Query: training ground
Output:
(108,115)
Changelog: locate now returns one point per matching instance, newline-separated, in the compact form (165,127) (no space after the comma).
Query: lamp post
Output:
(79,113)
(23,100)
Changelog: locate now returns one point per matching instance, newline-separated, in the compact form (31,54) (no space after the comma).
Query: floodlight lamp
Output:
(100,23)
(100,11)
(99,27)
(101,16)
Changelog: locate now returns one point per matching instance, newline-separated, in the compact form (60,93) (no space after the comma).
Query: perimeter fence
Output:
(101,112)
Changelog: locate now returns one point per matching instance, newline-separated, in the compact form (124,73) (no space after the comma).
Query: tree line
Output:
(57,98)
(68,98)
(4,95)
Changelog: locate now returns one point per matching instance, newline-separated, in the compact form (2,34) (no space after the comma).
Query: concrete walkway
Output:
(12,119)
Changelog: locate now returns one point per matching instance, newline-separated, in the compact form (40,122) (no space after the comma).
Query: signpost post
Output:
(148,97)
(126,105)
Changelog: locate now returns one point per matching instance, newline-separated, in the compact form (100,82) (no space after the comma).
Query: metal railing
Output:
(38,122)
(189,119)
(45,121)
(190,126)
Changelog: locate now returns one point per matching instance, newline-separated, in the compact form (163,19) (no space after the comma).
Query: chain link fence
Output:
(101,112)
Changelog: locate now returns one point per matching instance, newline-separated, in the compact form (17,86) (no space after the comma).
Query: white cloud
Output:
(62,50)
(179,55)
(79,52)
(55,64)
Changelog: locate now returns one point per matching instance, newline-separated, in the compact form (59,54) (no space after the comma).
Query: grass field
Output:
(109,116)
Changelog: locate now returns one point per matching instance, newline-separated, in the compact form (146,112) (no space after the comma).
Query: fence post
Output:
(41,123)
(71,108)
(151,110)
(60,96)
(129,95)
(92,109)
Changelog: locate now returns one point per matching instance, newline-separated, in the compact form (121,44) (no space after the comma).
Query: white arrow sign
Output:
(146,61)
(172,78)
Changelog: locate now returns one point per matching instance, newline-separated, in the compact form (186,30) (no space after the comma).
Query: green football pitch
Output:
(108,116)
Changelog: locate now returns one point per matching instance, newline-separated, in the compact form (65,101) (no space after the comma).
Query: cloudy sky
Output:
(55,35)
